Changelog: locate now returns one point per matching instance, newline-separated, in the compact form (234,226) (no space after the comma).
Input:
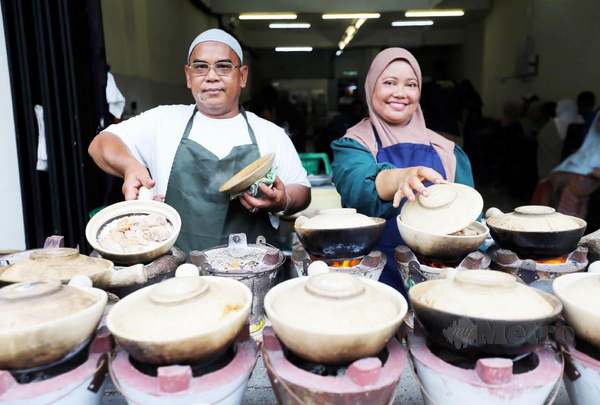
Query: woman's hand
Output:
(395,184)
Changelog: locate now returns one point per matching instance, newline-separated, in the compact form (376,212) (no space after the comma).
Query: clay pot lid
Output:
(447,208)
(335,303)
(533,218)
(486,294)
(180,307)
(248,175)
(30,304)
(581,290)
(58,264)
(335,218)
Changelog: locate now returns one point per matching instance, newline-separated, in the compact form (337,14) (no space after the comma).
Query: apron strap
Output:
(379,147)
(190,123)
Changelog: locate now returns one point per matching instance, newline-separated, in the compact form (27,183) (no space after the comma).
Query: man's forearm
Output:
(111,154)
(298,198)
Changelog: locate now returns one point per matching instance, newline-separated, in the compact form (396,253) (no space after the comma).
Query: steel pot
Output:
(535,231)
(482,312)
(181,320)
(42,322)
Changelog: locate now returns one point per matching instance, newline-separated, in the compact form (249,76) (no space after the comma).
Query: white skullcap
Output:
(217,35)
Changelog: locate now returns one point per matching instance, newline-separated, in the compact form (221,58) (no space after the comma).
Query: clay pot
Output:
(181,320)
(334,318)
(42,322)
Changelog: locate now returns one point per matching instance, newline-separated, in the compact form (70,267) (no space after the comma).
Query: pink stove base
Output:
(491,382)
(176,385)
(366,381)
(586,388)
(68,388)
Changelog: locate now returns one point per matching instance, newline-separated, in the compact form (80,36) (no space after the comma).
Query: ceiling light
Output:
(455,12)
(341,45)
(289,25)
(347,16)
(413,23)
(351,30)
(268,16)
(293,49)
(359,22)
(338,52)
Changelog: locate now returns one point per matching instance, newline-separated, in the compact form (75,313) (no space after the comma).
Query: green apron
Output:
(207,215)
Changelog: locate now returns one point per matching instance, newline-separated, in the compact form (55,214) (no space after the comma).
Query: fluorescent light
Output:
(351,30)
(450,12)
(338,52)
(341,45)
(413,23)
(347,16)
(293,49)
(360,22)
(268,16)
(289,25)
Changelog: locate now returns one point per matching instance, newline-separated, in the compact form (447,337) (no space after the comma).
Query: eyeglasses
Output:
(221,68)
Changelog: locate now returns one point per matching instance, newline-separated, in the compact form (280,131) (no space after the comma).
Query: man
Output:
(186,152)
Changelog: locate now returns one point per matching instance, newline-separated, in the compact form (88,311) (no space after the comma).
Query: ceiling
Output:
(327,33)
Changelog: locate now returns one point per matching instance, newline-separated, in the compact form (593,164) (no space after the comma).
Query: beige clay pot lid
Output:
(178,307)
(335,303)
(335,218)
(532,218)
(248,175)
(24,305)
(59,264)
(487,294)
(584,293)
(447,208)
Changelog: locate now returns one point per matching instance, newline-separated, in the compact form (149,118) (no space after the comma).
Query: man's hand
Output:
(134,178)
(273,199)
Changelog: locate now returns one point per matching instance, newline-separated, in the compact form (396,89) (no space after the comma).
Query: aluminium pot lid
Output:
(447,208)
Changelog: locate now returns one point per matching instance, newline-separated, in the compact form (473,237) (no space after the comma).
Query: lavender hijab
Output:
(413,132)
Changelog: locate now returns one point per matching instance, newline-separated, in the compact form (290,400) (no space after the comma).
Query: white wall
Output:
(566,36)
(146,46)
(11,209)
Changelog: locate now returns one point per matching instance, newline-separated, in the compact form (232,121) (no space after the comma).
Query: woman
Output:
(553,134)
(575,179)
(390,154)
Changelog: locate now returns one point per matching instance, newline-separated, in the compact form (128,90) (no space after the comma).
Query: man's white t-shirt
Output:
(153,138)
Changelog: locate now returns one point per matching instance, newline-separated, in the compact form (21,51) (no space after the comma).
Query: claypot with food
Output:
(135,231)
(535,231)
(181,320)
(334,318)
(443,247)
(441,224)
(42,322)
(580,295)
(339,233)
(483,312)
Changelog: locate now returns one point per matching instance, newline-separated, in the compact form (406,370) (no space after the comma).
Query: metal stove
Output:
(414,269)
(582,373)
(369,266)
(539,272)
(371,380)
(222,381)
(78,379)
(448,379)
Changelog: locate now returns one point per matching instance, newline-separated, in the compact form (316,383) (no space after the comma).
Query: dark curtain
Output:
(57,60)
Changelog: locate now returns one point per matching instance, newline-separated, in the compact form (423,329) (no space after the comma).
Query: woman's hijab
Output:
(566,114)
(587,157)
(413,132)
